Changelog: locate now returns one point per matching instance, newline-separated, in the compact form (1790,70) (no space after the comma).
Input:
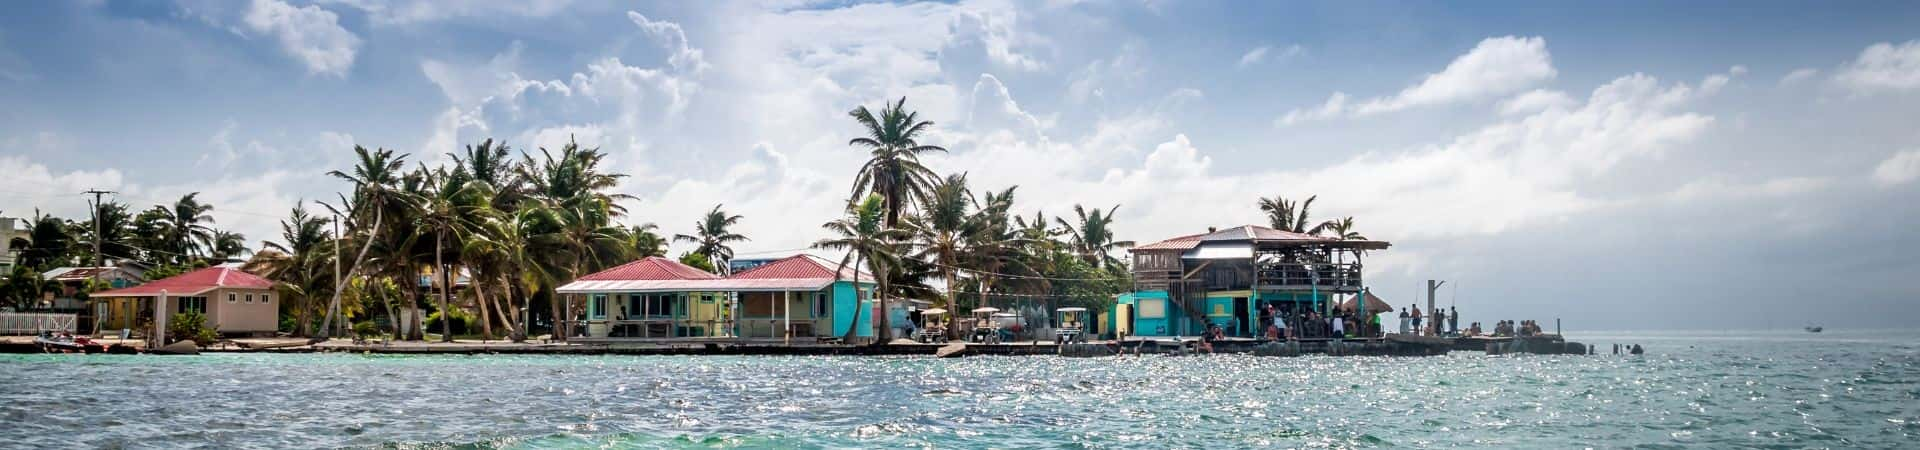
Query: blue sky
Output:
(1618,165)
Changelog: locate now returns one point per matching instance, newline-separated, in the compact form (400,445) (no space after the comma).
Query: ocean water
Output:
(1691,390)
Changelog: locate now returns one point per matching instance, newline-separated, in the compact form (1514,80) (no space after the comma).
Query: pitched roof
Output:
(651,268)
(1252,233)
(1180,243)
(794,273)
(800,266)
(192,283)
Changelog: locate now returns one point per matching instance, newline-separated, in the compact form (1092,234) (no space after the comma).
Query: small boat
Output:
(51,342)
(1813,329)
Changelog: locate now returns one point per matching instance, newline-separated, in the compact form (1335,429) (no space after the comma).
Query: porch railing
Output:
(34,323)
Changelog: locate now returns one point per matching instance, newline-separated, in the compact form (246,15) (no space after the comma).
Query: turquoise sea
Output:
(1782,389)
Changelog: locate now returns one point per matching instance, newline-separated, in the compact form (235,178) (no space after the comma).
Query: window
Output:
(192,304)
(249,298)
(264,298)
(597,307)
(1152,309)
(820,304)
(230,297)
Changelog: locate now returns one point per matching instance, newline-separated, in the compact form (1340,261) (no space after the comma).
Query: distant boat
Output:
(1813,329)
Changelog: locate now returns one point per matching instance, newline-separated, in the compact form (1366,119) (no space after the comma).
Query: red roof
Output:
(195,282)
(1239,233)
(651,268)
(1180,243)
(802,266)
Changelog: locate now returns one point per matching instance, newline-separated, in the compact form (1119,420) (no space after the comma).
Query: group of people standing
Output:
(1445,321)
(1279,323)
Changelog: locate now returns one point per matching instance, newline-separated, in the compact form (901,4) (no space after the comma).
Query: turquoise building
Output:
(1226,277)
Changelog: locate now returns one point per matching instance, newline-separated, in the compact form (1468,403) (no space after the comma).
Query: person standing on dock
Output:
(1405,320)
(1453,319)
(1416,321)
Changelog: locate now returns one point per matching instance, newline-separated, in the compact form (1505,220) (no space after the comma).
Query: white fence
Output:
(32,323)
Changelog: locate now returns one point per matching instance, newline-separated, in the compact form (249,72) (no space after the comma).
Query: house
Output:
(1225,277)
(233,301)
(66,284)
(801,296)
(804,296)
(653,297)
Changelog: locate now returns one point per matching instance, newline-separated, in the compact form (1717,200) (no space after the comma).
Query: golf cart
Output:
(934,329)
(986,330)
(1072,326)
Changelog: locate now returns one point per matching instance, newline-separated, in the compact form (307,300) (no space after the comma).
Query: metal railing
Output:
(1343,275)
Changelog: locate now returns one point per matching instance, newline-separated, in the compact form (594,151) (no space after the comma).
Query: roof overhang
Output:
(1220,250)
(716,285)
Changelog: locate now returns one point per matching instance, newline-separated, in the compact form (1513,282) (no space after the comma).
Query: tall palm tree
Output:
(452,211)
(866,238)
(572,187)
(49,243)
(300,265)
(1092,236)
(189,226)
(373,178)
(712,235)
(994,246)
(893,169)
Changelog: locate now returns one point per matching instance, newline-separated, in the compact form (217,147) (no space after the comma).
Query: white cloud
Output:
(685,57)
(1259,54)
(1496,66)
(1535,101)
(308,33)
(407,12)
(995,30)
(1901,168)
(1335,106)
(1882,67)
(1799,75)
(1091,82)
(32,185)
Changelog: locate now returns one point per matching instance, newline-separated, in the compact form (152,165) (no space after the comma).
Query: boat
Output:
(51,342)
(1813,329)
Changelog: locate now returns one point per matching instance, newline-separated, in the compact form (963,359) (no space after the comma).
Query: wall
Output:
(262,315)
(846,304)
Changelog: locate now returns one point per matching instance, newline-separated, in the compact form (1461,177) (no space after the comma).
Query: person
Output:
(1272,332)
(1339,327)
(1373,322)
(1416,321)
(1405,320)
(1266,314)
(1206,339)
(1453,319)
(1439,321)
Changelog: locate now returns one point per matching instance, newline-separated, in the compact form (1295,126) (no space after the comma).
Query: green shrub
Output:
(366,328)
(190,326)
(462,321)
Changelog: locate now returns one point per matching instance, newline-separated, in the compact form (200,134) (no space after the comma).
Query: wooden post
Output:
(786,312)
(159,321)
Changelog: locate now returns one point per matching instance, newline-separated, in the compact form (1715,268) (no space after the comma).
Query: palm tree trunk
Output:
(480,303)
(306,307)
(415,318)
(854,326)
(446,288)
(341,284)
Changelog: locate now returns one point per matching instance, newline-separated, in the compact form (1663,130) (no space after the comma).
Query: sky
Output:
(1614,165)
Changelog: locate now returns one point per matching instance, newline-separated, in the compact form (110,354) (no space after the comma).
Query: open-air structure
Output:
(1224,277)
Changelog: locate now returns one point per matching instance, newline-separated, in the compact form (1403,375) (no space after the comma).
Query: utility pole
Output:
(1432,287)
(98,259)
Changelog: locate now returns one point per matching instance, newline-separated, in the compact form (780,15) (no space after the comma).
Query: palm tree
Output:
(1092,238)
(451,212)
(646,240)
(188,229)
(942,228)
(866,238)
(1342,229)
(571,186)
(299,265)
(49,243)
(1285,215)
(994,246)
(226,245)
(712,236)
(893,170)
(111,227)
(373,179)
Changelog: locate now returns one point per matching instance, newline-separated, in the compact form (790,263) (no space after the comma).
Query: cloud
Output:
(684,57)
(310,34)
(1259,54)
(1535,101)
(1496,66)
(995,31)
(1882,67)
(35,186)
(1901,168)
(409,12)
(1799,75)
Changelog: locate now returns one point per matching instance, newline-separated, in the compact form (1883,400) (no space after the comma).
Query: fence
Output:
(34,323)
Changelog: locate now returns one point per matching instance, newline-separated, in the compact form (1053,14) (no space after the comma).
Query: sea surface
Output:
(1783,389)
